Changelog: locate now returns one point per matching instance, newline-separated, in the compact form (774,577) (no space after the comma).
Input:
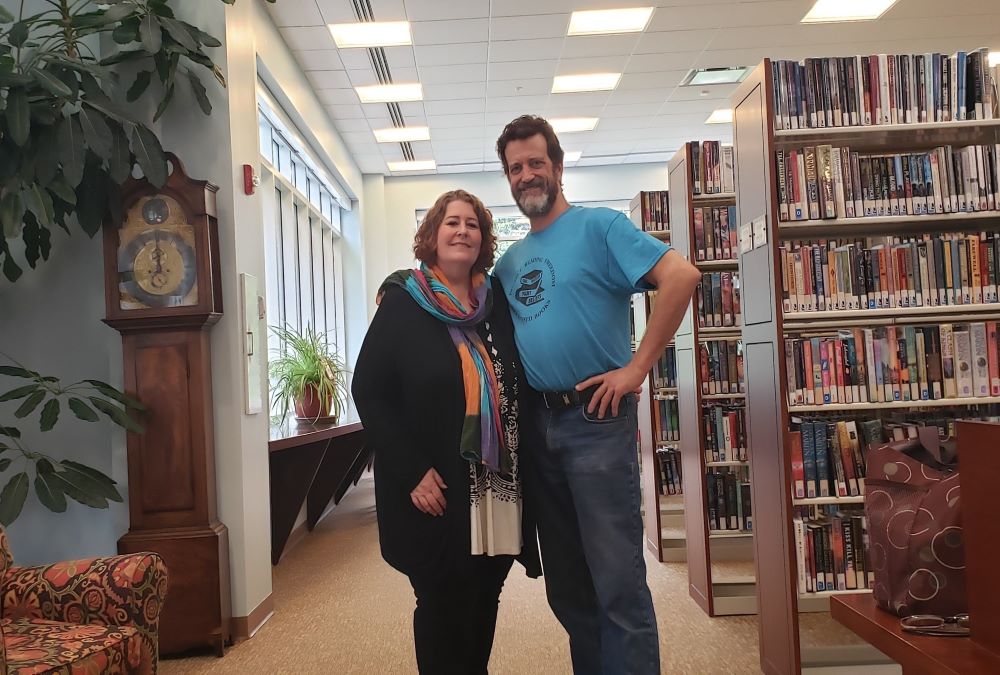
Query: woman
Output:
(437,385)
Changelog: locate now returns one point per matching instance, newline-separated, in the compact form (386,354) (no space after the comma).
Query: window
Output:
(302,231)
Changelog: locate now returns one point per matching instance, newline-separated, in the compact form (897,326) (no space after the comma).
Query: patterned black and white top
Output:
(495,498)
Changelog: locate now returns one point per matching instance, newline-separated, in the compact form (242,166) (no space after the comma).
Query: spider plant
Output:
(307,374)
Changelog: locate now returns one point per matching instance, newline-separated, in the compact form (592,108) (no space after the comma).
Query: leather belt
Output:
(555,400)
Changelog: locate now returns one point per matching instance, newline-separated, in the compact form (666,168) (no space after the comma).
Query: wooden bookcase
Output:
(765,327)
(663,514)
(731,590)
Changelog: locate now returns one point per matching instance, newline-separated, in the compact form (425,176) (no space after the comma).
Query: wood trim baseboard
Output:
(244,627)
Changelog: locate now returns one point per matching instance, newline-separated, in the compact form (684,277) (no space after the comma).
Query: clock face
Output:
(157,258)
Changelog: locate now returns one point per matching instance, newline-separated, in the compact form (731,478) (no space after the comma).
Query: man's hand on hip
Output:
(611,387)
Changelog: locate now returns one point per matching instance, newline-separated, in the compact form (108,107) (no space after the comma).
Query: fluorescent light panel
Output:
(371,34)
(388,93)
(830,11)
(721,116)
(416,165)
(566,125)
(710,76)
(599,21)
(402,134)
(572,156)
(564,84)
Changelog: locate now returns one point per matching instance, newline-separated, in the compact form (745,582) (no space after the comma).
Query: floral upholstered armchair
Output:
(96,616)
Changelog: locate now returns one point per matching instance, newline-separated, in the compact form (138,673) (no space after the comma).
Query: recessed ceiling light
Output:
(708,76)
(417,165)
(371,34)
(402,134)
(994,59)
(387,93)
(829,11)
(595,22)
(566,125)
(572,156)
(563,84)
(721,116)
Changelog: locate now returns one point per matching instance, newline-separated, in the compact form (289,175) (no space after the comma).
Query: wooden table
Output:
(917,654)
(312,464)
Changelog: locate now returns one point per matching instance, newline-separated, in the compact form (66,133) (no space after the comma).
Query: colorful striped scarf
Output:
(482,432)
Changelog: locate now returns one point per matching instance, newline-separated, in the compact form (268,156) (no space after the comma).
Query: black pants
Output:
(456,616)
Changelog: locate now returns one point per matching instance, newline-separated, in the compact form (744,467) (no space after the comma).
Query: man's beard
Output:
(533,205)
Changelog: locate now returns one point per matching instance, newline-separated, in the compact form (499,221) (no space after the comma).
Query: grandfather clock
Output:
(163,292)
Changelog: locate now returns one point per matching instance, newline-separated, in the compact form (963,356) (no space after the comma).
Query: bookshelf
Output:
(700,222)
(663,506)
(770,330)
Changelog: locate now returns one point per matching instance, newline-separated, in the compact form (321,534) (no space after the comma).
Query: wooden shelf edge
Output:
(888,405)
(933,313)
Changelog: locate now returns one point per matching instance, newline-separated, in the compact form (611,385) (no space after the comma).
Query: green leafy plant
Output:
(67,139)
(306,361)
(55,480)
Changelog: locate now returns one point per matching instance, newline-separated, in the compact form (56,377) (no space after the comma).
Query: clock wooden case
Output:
(163,293)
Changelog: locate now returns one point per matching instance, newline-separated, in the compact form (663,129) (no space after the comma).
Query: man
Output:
(569,282)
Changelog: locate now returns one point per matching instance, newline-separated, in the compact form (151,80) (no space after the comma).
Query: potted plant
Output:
(308,375)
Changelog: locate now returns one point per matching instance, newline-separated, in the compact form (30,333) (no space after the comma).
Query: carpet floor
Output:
(339,609)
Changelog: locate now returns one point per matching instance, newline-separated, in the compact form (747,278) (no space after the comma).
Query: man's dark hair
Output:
(525,127)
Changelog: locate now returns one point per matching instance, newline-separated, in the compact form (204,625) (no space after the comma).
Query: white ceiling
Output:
(484,62)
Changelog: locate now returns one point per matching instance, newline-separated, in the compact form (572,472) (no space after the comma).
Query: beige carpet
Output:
(341,610)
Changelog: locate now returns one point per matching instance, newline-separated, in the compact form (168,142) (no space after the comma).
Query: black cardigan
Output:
(409,393)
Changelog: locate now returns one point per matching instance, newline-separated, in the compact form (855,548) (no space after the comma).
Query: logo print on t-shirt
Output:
(531,289)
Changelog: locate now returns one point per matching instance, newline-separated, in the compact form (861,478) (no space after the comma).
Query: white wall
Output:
(50,320)
(390,229)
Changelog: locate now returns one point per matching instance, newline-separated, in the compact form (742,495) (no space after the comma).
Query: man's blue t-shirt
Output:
(569,288)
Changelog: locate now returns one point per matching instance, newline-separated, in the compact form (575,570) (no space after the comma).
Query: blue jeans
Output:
(585,485)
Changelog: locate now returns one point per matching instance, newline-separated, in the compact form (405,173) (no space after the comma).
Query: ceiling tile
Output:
(617,123)
(592,64)
(713,16)
(628,97)
(515,104)
(338,96)
(588,99)
(525,50)
(351,125)
(674,41)
(519,28)
(518,87)
(435,10)
(411,108)
(463,134)
(335,11)
(684,107)
(362,77)
(443,55)
(555,108)
(454,120)
(439,92)
(421,149)
(654,63)
(311,37)
(456,106)
(609,148)
(449,32)
(466,72)
(497,120)
(600,161)
(460,168)
(319,59)
(388,10)
(364,137)
(379,121)
(658,80)
(304,13)
(400,57)
(354,59)
(631,110)
(329,79)
(716,92)
(345,111)
(516,8)
(454,146)
(518,70)
(371,164)
(599,45)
